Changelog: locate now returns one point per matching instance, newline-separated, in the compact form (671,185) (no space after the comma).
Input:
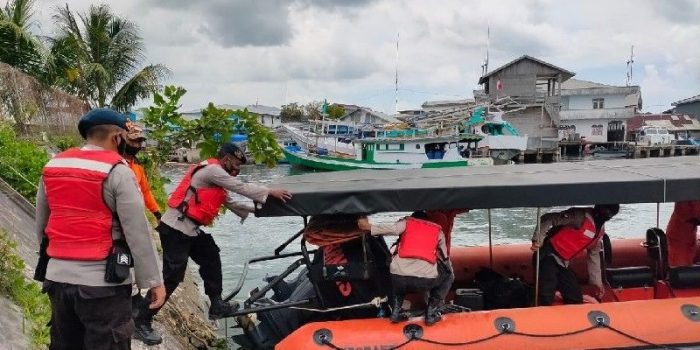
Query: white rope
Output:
(376,302)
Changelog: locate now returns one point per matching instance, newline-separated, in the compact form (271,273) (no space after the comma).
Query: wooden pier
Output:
(576,148)
(664,151)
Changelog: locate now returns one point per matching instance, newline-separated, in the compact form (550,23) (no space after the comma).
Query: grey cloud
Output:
(515,43)
(333,4)
(248,23)
(685,11)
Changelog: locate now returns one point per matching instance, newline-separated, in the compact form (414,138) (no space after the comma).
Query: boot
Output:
(432,312)
(397,314)
(221,309)
(144,332)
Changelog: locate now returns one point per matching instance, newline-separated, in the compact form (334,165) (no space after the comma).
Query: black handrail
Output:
(307,261)
(241,280)
(279,249)
(261,293)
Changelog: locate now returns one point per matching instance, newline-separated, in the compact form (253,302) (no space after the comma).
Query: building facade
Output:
(596,112)
(689,106)
(528,90)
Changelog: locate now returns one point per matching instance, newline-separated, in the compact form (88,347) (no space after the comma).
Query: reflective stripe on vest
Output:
(204,203)
(568,241)
(419,240)
(80,223)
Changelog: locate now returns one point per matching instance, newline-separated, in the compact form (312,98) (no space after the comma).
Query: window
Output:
(598,103)
(596,130)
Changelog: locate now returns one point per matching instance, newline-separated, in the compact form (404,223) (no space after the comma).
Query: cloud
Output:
(248,23)
(275,51)
(334,4)
(684,11)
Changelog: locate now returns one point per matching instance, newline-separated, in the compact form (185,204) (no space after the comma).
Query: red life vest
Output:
(204,205)
(80,223)
(419,240)
(569,241)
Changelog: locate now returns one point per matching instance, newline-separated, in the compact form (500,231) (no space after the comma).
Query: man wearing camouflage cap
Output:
(134,143)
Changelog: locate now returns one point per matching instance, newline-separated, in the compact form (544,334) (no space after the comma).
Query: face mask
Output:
(121,145)
(131,150)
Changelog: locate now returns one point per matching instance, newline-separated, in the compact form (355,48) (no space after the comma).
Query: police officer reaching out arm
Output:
(196,202)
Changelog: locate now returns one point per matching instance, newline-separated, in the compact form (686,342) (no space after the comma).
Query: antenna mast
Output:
(485,64)
(396,76)
(630,64)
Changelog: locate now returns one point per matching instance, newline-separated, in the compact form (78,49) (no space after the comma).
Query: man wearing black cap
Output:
(196,202)
(83,197)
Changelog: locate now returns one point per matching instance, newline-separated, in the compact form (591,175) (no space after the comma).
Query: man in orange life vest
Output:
(682,233)
(419,264)
(134,144)
(561,237)
(196,202)
(89,208)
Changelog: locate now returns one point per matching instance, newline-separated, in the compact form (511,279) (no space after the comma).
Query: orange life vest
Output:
(419,240)
(80,223)
(204,204)
(569,241)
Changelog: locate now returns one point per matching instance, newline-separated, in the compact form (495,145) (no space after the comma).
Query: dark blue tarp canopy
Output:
(651,180)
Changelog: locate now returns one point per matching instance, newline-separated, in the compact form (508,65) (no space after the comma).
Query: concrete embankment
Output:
(182,321)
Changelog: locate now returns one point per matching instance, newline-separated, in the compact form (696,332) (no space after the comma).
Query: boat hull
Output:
(546,328)
(333,163)
(639,316)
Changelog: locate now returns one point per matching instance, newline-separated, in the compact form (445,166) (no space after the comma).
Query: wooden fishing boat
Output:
(647,304)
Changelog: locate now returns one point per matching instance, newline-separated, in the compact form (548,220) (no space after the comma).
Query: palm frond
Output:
(141,85)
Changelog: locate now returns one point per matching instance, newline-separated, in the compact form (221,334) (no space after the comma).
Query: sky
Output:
(274,52)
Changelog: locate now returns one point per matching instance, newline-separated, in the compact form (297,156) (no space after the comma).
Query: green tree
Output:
(313,110)
(216,126)
(18,46)
(335,112)
(164,123)
(292,112)
(98,56)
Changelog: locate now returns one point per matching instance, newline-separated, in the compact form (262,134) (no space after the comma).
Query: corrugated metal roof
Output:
(673,122)
(567,74)
(695,98)
(572,84)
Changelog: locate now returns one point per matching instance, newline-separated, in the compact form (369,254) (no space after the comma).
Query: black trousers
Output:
(90,318)
(177,249)
(555,277)
(436,288)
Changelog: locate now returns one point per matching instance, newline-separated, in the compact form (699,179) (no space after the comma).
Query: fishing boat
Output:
(382,149)
(647,304)
(500,138)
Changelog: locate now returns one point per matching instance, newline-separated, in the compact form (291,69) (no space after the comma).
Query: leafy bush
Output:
(155,179)
(21,162)
(26,294)
(65,142)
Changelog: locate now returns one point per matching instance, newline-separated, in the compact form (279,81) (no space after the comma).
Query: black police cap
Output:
(232,149)
(101,116)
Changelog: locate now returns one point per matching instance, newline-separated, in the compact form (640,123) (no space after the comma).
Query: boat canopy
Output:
(650,180)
